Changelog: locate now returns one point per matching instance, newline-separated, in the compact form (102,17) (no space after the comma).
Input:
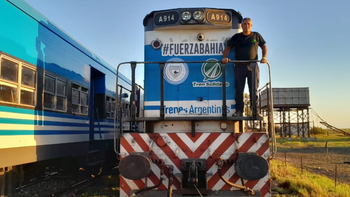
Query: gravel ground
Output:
(45,188)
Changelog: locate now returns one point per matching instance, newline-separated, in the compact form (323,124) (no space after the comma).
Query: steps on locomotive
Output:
(95,157)
(94,162)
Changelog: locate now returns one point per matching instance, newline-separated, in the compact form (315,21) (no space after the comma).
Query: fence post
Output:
(335,178)
(301,164)
(285,159)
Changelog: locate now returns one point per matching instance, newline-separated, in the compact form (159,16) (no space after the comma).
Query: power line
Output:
(315,113)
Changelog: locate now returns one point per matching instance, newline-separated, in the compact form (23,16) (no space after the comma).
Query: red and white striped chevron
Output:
(171,148)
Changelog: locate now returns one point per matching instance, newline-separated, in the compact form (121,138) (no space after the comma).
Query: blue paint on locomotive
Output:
(186,96)
(195,75)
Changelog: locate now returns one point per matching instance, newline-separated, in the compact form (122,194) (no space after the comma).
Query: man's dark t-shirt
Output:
(246,47)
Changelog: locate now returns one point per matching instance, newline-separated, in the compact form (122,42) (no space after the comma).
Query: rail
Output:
(161,117)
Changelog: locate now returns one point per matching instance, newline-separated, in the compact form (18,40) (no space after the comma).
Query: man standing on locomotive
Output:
(246,48)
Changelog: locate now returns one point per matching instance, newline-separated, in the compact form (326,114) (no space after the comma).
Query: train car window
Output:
(17,81)
(110,107)
(75,97)
(84,101)
(27,97)
(50,84)
(55,93)
(61,95)
(61,88)
(49,92)
(28,81)
(8,93)
(80,102)
(28,77)
(9,70)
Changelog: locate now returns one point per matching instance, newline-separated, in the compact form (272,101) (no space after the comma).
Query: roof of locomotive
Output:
(151,14)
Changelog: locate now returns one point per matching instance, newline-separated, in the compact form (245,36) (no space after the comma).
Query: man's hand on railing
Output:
(263,60)
(225,60)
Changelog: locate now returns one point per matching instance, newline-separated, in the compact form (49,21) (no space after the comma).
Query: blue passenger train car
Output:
(57,98)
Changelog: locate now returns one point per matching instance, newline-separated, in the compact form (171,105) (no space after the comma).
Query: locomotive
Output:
(186,142)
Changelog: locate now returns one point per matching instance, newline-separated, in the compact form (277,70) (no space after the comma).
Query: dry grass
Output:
(325,155)
(313,155)
(289,181)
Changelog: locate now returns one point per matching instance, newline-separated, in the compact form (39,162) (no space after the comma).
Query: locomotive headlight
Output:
(198,15)
(186,15)
(156,44)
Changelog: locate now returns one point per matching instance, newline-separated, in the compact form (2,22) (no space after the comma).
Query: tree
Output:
(246,100)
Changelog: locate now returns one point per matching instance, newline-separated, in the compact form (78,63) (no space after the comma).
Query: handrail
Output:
(98,121)
(224,115)
(271,119)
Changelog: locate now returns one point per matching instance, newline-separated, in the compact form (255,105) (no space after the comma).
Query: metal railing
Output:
(161,117)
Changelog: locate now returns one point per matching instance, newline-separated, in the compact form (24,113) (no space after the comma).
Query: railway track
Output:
(57,185)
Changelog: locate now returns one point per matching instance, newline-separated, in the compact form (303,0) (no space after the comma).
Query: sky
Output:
(308,40)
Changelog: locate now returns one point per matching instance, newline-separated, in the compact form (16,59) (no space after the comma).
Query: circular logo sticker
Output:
(177,72)
(211,70)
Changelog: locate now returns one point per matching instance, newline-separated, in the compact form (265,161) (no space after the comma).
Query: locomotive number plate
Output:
(216,16)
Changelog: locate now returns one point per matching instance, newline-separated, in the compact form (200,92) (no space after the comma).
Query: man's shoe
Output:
(237,114)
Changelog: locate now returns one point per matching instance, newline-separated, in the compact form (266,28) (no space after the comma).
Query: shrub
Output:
(317,130)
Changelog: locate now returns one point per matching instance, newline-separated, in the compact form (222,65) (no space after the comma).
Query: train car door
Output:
(97,102)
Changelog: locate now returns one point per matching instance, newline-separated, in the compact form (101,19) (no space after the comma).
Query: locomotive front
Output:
(190,144)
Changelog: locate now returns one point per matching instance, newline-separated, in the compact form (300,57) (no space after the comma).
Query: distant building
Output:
(291,110)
